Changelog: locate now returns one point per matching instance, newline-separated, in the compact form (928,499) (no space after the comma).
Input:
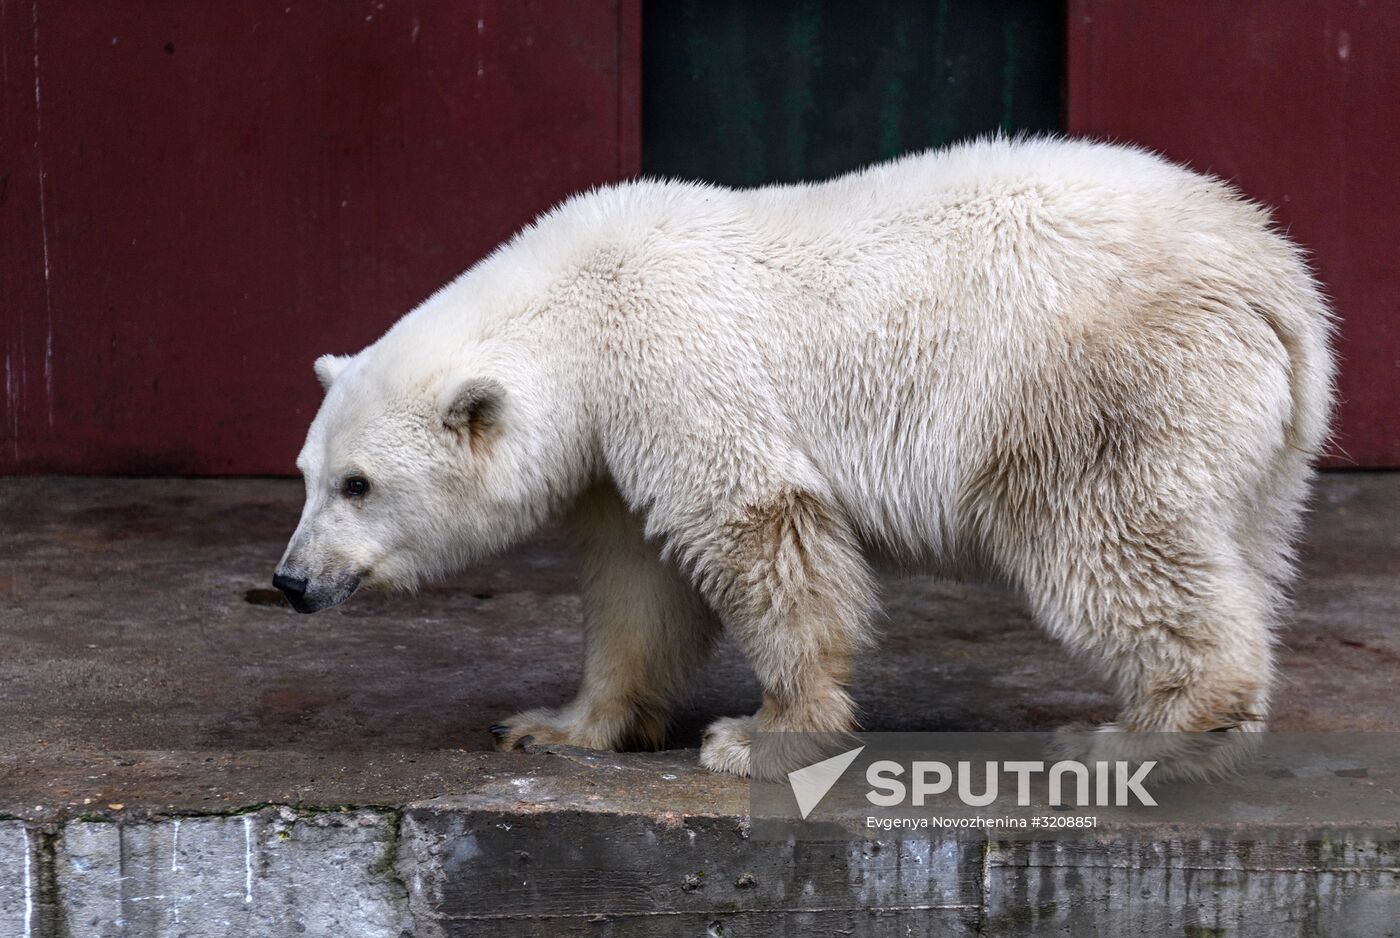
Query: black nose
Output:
(292,587)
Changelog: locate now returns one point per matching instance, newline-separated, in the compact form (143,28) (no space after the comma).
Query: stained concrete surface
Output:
(137,616)
(150,677)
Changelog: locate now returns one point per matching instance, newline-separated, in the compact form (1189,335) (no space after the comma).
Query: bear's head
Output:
(411,473)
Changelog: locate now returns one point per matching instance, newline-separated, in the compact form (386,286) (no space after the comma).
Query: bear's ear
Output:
(473,406)
(329,367)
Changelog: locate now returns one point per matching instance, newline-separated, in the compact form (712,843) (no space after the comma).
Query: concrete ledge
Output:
(564,842)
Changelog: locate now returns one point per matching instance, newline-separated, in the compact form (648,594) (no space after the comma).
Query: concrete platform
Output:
(182,754)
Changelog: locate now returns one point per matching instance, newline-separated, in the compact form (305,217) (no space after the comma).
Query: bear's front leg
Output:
(646,631)
(790,582)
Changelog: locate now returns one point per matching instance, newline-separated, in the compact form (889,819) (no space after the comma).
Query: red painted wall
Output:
(1298,102)
(196,199)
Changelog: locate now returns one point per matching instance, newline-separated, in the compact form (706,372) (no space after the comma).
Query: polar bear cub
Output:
(1072,367)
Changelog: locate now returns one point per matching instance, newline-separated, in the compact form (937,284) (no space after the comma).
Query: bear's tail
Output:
(1304,324)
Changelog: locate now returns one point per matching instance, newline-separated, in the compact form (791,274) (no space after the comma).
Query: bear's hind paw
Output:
(727,746)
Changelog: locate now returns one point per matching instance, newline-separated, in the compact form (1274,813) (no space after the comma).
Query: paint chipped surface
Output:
(249,874)
(20,881)
(28,887)
(247,858)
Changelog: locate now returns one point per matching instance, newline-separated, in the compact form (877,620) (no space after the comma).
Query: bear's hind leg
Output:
(646,632)
(789,581)
(1182,623)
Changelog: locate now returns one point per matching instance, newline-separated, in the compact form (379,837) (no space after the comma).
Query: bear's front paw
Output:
(538,727)
(727,746)
(735,746)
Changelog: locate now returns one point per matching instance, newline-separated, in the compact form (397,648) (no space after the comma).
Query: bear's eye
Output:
(355,487)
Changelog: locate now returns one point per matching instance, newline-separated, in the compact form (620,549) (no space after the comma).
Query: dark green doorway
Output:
(743,93)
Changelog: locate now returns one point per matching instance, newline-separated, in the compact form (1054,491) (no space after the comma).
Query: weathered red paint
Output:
(1298,102)
(197,199)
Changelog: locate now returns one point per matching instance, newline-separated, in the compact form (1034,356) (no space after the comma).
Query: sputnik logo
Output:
(810,785)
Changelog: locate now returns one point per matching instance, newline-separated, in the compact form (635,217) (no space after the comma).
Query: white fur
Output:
(1071,366)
